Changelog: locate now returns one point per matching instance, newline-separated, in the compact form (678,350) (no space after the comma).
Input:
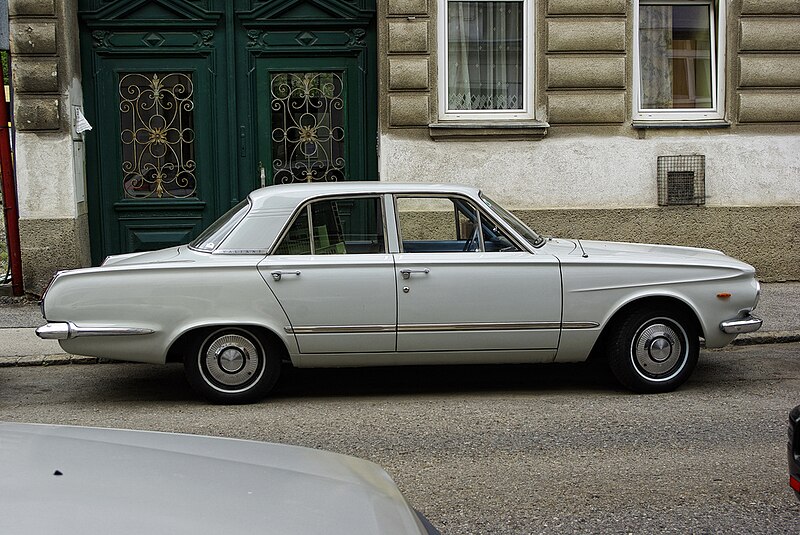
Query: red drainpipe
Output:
(10,207)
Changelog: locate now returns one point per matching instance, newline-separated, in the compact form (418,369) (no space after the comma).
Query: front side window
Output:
(485,59)
(336,226)
(447,225)
(679,49)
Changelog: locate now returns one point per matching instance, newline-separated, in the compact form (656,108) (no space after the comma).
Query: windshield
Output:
(513,221)
(210,238)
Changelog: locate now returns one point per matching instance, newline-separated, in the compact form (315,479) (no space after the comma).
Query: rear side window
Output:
(336,226)
(210,238)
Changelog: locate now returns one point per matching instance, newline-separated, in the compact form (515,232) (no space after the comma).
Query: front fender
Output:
(597,294)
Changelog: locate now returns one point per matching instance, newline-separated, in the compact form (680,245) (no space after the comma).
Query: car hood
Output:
(636,252)
(61,479)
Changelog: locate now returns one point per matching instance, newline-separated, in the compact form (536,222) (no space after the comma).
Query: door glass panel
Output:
(157,134)
(426,218)
(308,129)
(297,239)
(448,225)
(437,225)
(675,43)
(338,226)
(485,55)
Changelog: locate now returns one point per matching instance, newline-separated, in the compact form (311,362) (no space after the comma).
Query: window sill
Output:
(530,130)
(712,123)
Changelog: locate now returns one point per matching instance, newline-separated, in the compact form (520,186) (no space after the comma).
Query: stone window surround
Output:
(715,117)
(529,34)
(503,124)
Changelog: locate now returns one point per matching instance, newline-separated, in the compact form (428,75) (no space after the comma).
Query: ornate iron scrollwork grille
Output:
(308,130)
(157,119)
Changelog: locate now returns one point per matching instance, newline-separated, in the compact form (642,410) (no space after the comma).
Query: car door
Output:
(334,278)
(464,289)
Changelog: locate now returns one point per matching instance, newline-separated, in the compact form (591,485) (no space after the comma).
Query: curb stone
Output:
(768,337)
(47,360)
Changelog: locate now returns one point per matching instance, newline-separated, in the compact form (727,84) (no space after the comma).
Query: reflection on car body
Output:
(373,274)
(82,480)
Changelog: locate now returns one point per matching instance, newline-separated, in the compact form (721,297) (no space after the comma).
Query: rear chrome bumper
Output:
(746,324)
(64,330)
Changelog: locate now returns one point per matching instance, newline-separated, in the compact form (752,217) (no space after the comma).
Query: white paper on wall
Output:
(81,124)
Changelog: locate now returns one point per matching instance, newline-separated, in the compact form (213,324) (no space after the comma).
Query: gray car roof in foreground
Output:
(62,479)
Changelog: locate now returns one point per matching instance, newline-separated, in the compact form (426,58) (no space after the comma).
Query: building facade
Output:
(642,120)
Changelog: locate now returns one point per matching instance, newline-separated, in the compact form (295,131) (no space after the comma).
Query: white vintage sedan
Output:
(378,274)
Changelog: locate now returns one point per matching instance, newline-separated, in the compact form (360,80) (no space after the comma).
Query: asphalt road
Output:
(501,449)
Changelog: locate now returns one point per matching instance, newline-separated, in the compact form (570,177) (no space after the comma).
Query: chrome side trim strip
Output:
(339,329)
(580,325)
(439,327)
(510,326)
(65,330)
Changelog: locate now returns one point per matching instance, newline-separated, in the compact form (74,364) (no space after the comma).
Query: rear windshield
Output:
(219,230)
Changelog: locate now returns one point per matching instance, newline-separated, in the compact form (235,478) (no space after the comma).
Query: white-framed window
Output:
(485,59)
(679,60)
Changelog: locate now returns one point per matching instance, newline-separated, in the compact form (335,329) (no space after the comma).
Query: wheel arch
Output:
(175,352)
(652,301)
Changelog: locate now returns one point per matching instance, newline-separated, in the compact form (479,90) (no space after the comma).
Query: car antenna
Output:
(584,255)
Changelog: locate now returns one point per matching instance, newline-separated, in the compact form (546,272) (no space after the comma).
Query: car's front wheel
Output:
(653,350)
(232,365)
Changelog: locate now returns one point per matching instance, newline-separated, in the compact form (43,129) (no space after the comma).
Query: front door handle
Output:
(406,273)
(277,274)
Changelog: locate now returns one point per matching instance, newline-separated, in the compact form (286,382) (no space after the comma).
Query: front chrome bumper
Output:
(65,330)
(746,324)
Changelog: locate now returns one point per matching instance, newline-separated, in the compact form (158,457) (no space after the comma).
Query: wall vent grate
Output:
(681,180)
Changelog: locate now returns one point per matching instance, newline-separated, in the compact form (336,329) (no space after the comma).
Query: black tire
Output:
(232,365)
(653,351)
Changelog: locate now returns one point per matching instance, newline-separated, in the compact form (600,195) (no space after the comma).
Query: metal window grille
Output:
(681,180)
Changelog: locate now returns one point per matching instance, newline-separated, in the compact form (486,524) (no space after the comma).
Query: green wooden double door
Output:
(195,103)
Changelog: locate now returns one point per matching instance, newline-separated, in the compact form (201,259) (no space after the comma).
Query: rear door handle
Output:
(406,273)
(277,274)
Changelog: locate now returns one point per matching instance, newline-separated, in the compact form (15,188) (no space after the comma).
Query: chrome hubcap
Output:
(231,359)
(658,349)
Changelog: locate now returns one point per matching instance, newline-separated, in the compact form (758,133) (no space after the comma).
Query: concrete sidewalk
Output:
(19,345)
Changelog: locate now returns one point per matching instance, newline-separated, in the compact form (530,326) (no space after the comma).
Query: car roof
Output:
(293,194)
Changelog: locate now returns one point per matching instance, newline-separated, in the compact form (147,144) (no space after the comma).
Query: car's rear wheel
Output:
(653,350)
(232,365)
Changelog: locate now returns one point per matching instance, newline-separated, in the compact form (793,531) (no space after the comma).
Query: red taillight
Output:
(794,483)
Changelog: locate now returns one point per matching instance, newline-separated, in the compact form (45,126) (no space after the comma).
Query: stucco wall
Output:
(600,171)
(48,153)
